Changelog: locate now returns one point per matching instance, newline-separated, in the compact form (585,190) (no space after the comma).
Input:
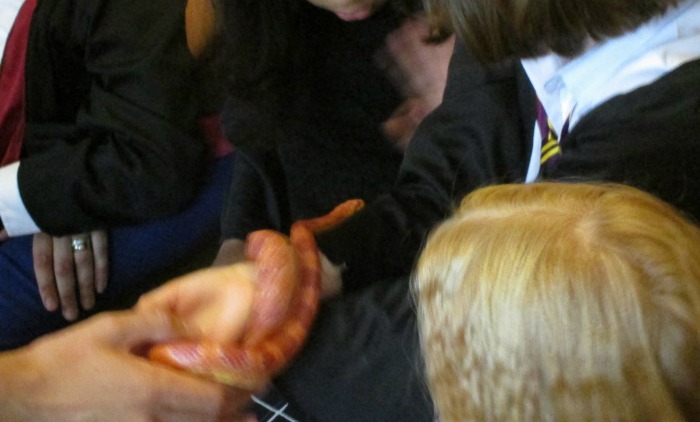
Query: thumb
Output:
(127,330)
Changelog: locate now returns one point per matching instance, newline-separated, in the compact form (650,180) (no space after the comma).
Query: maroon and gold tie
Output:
(550,150)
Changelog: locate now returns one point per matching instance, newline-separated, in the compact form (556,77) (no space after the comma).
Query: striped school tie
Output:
(550,150)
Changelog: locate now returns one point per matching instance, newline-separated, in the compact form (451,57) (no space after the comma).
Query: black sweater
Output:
(111,136)
(324,144)
(482,134)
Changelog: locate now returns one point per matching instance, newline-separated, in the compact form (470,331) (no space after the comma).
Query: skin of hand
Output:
(62,274)
(215,303)
(419,70)
(230,252)
(350,10)
(89,373)
(331,278)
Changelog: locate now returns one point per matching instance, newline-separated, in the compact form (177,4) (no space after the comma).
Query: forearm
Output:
(116,143)
(125,181)
(17,373)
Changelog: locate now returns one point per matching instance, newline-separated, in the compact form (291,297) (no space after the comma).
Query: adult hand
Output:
(87,372)
(419,69)
(68,266)
(214,303)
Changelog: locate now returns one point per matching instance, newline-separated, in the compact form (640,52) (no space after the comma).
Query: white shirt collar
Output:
(615,66)
(8,13)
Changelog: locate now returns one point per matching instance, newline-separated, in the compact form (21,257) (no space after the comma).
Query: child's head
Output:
(562,302)
(526,28)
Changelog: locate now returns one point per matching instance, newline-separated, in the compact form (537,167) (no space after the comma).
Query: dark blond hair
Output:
(562,302)
(495,29)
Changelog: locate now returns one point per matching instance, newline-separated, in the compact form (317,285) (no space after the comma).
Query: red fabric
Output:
(12,117)
(211,128)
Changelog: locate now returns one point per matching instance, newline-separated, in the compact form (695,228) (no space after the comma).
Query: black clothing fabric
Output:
(111,135)
(648,138)
(361,361)
(481,135)
(325,145)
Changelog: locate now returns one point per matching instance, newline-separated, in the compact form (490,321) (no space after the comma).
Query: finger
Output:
(184,293)
(101,259)
(398,132)
(126,330)
(64,271)
(42,254)
(403,123)
(164,298)
(213,303)
(85,273)
(170,391)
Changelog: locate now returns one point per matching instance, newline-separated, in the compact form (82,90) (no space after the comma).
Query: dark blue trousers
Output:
(140,258)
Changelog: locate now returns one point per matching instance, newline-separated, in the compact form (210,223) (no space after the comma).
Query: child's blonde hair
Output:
(562,302)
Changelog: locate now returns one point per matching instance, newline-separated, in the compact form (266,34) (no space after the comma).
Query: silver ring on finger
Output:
(80,243)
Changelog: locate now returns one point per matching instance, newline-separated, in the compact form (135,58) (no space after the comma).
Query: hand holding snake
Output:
(248,320)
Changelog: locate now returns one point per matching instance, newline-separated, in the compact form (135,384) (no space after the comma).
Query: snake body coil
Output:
(284,306)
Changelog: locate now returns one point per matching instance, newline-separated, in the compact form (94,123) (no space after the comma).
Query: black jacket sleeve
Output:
(111,133)
(257,195)
(480,135)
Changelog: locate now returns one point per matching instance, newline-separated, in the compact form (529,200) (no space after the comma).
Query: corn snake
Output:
(284,306)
